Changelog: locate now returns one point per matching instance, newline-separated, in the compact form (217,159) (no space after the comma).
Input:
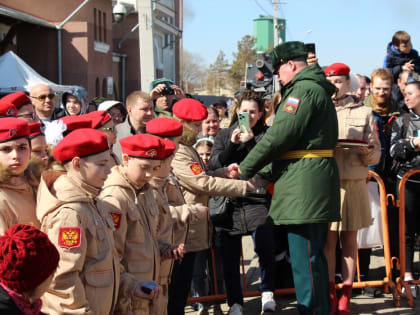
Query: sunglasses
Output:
(43,97)
(108,129)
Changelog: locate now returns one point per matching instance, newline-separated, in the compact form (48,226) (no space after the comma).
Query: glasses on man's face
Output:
(109,129)
(27,116)
(43,97)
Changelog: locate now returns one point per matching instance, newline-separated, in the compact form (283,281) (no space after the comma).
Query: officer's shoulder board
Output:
(292,104)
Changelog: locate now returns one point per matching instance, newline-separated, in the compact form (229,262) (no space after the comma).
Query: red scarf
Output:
(23,303)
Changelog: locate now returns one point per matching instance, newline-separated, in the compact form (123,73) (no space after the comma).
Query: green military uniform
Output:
(297,153)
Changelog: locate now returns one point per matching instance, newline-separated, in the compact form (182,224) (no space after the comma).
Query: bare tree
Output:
(193,71)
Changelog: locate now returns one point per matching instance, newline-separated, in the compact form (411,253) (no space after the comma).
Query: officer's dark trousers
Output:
(309,265)
(180,285)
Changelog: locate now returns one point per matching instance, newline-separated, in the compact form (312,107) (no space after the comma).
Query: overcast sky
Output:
(354,32)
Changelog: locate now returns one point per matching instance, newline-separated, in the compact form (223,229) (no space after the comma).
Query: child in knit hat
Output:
(27,262)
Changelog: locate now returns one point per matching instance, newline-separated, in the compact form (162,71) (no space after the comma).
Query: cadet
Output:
(128,199)
(17,195)
(197,187)
(87,280)
(173,221)
(298,153)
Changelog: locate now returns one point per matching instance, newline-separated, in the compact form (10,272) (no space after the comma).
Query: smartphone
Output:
(310,48)
(243,121)
(148,287)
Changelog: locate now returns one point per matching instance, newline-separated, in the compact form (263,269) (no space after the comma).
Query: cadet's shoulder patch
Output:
(196,168)
(70,237)
(291,105)
(116,218)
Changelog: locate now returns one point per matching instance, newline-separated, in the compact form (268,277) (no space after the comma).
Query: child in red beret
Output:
(17,197)
(129,200)
(88,279)
(27,262)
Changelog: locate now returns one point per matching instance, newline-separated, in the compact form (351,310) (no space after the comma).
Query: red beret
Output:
(81,142)
(18,99)
(164,127)
(97,118)
(190,109)
(7,109)
(337,69)
(75,122)
(35,130)
(147,147)
(13,128)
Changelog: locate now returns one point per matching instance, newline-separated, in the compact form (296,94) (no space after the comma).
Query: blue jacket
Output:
(394,60)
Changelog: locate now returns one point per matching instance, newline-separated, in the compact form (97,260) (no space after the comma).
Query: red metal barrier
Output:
(386,281)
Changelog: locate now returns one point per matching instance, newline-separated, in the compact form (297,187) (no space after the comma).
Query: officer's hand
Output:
(201,211)
(179,93)
(231,171)
(236,135)
(157,90)
(141,294)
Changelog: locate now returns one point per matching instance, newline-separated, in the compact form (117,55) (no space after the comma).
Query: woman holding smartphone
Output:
(356,126)
(248,214)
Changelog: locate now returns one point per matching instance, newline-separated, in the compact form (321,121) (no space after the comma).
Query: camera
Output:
(119,11)
(167,91)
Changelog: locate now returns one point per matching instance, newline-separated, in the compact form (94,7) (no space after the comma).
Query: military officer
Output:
(297,153)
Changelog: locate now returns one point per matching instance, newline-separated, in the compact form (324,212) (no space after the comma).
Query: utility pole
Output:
(147,56)
(276,28)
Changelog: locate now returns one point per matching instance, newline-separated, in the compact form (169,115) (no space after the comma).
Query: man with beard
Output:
(385,110)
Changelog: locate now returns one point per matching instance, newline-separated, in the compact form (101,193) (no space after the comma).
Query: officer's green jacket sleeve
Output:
(283,135)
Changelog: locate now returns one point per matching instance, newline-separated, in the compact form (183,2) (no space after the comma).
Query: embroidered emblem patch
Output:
(70,237)
(196,168)
(12,133)
(152,153)
(116,218)
(291,105)
(11,112)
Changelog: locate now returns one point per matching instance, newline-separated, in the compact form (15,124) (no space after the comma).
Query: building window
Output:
(95,25)
(104,20)
(97,87)
(104,87)
(100,25)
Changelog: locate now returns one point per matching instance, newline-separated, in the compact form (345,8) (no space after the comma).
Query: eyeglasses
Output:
(27,115)
(108,129)
(43,97)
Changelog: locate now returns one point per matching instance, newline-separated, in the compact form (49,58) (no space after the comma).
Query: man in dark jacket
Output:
(298,153)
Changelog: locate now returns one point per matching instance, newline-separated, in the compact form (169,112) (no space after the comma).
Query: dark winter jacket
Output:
(394,60)
(7,306)
(402,148)
(247,212)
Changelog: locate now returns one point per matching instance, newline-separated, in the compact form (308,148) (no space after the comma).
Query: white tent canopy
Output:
(17,75)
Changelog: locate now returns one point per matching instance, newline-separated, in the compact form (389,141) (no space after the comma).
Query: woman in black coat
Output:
(247,214)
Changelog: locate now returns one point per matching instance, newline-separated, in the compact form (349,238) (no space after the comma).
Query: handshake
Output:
(257,184)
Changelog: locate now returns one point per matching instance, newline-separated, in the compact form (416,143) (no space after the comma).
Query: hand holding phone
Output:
(243,121)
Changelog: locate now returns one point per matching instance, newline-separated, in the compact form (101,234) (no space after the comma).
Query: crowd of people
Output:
(111,207)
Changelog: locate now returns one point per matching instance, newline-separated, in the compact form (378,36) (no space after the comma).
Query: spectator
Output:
(204,146)
(43,100)
(163,92)
(355,122)
(363,90)
(247,214)
(28,261)
(405,149)
(139,112)
(115,109)
(401,56)
(74,103)
(211,125)
(39,151)
(23,105)
(17,195)
(270,108)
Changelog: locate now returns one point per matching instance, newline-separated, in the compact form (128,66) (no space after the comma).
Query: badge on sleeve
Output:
(196,168)
(292,104)
(70,237)
(116,218)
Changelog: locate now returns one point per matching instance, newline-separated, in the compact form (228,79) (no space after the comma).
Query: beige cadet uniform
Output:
(88,276)
(197,186)
(17,205)
(355,121)
(134,240)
